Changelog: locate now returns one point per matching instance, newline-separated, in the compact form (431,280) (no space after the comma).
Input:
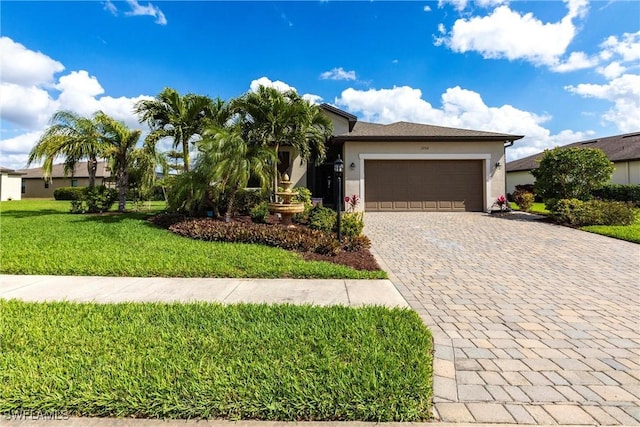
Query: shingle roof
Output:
(9,171)
(80,171)
(618,148)
(416,131)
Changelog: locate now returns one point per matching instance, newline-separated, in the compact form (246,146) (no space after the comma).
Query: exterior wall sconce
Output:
(352,166)
(498,165)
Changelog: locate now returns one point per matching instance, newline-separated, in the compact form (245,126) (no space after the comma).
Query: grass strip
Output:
(41,237)
(203,360)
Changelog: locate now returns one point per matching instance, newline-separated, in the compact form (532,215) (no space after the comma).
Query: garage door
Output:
(423,185)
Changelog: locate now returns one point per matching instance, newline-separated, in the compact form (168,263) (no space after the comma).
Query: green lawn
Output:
(268,362)
(536,208)
(41,237)
(630,233)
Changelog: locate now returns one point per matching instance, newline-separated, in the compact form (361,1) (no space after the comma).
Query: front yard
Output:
(41,237)
(278,362)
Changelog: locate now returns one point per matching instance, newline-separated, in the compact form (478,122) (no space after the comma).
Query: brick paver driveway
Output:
(533,322)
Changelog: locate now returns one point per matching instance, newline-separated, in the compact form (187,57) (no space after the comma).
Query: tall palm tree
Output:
(72,136)
(181,118)
(120,143)
(273,119)
(231,162)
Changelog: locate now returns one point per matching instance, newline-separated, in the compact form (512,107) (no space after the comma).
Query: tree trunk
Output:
(275,175)
(92,167)
(232,199)
(186,161)
(123,183)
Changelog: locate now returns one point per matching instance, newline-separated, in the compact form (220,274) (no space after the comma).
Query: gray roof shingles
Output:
(618,148)
(80,171)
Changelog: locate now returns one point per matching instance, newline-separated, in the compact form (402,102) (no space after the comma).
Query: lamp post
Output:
(338,167)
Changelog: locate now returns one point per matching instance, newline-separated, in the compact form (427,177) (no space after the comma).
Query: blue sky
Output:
(555,71)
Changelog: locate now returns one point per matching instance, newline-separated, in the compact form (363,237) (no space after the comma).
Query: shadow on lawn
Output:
(112,217)
(30,213)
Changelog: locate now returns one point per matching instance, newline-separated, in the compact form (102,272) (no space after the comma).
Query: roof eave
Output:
(403,138)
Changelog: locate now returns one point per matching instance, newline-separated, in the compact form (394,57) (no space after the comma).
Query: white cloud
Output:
(613,70)
(576,61)
(30,101)
(627,48)
(338,74)
(282,87)
(427,8)
(507,34)
(624,92)
(149,10)
(25,67)
(459,5)
(110,7)
(459,108)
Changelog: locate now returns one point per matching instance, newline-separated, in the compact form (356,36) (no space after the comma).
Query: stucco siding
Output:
(356,152)
(10,187)
(297,171)
(518,178)
(340,124)
(35,187)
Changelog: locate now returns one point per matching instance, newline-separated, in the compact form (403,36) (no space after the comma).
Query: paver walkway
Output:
(533,323)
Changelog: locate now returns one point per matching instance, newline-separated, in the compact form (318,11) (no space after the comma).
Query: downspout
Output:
(506,145)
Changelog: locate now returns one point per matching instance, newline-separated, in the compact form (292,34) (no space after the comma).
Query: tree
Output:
(181,118)
(272,119)
(230,162)
(120,143)
(571,173)
(74,137)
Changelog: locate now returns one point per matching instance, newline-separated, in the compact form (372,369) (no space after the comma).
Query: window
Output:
(24,186)
(46,184)
(74,182)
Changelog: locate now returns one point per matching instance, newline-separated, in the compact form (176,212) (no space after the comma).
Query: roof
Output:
(57,171)
(618,148)
(406,131)
(350,117)
(10,171)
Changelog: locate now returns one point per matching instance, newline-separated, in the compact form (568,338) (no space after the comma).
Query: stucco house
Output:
(10,184)
(35,186)
(408,166)
(623,150)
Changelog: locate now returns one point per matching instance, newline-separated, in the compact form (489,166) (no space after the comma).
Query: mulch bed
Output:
(360,260)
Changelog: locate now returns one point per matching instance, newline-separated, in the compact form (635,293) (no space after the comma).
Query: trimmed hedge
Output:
(69,193)
(593,212)
(619,192)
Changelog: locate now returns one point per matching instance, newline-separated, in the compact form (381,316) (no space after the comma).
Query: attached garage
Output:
(424,185)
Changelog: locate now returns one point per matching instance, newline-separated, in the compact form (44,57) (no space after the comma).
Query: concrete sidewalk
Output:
(227,291)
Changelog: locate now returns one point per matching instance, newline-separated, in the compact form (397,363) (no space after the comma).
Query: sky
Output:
(555,71)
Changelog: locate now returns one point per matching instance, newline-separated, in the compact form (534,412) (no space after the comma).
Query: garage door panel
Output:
(425,185)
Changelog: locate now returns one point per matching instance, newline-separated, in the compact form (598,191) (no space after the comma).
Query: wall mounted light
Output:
(352,166)
(498,165)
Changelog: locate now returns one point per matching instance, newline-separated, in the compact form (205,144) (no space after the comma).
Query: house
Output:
(408,166)
(35,186)
(623,150)
(10,184)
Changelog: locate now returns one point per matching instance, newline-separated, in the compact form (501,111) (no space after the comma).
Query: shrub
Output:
(523,199)
(297,239)
(304,196)
(352,224)
(69,193)
(356,243)
(260,213)
(571,173)
(95,200)
(619,192)
(323,219)
(247,199)
(166,219)
(593,212)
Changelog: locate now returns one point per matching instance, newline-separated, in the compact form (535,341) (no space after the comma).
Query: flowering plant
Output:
(352,202)
(501,201)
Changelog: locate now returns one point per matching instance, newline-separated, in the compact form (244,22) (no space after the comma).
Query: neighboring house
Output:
(408,166)
(622,150)
(10,184)
(35,186)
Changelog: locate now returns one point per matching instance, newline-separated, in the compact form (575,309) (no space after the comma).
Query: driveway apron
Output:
(533,323)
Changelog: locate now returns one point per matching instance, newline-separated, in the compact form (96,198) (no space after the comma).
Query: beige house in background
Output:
(408,166)
(34,185)
(10,184)
(623,150)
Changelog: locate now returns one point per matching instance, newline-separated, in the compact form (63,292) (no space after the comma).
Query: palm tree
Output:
(272,119)
(181,118)
(120,143)
(231,162)
(73,137)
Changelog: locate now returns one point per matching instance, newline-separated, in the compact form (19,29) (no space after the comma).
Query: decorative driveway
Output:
(533,323)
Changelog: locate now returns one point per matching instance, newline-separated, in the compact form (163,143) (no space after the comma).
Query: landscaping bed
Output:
(203,360)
